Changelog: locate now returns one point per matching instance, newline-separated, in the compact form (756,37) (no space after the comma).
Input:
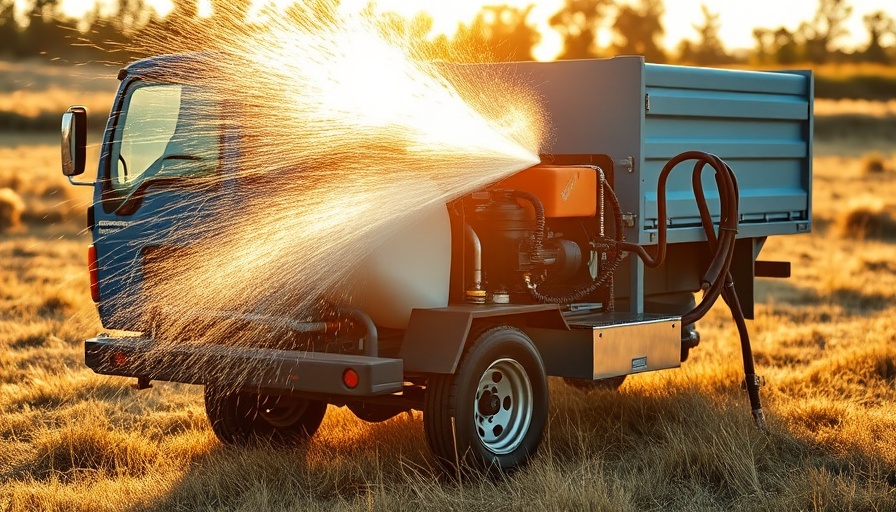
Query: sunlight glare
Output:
(348,135)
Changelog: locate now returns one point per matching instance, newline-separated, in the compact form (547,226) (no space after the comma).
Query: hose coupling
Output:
(757,381)
(527,278)
(759,418)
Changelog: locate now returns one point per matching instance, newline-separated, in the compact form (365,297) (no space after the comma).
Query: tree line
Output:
(502,32)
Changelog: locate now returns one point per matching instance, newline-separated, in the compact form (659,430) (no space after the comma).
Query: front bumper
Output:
(252,368)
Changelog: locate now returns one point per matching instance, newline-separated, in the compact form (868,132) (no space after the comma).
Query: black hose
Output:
(751,380)
(539,218)
(722,245)
(717,280)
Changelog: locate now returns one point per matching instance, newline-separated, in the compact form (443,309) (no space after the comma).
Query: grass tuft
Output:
(97,447)
(874,163)
(11,208)
(868,221)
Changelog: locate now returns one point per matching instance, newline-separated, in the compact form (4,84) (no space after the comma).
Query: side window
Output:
(165,130)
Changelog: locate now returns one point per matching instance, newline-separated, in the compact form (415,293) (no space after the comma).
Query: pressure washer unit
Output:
(582,267)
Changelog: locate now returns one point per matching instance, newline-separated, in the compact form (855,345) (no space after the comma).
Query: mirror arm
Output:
(81,183)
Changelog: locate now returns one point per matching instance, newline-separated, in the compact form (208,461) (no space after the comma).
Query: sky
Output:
(738,18)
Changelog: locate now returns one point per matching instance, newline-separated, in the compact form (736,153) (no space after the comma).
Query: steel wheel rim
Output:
(502,406)
(282,412)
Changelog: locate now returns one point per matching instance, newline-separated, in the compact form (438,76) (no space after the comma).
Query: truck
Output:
(582,267)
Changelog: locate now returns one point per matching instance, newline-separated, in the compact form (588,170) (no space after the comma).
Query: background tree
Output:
(787,46)
(131,16)
(499,33)
(113,36)
(777,46)
(638,30)
(180,31)
(708,48)
(578,23)
(822,32)
(47,33)
(9,29)
(878,25)
(230,11)
(764,50)
(416,33)
(185,9)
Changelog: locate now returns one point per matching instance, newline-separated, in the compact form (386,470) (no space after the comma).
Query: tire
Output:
(492,412)
(587,386)
(246,418)
(374,413)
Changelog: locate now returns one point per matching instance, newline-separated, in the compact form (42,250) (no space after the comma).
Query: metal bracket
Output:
(628,218)
(627,164)
(81,183)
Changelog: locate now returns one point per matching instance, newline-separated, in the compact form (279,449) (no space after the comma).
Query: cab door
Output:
(162,181)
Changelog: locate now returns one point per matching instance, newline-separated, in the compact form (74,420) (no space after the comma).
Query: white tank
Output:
(410,269)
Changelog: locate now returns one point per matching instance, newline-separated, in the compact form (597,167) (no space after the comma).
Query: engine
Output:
(537,237)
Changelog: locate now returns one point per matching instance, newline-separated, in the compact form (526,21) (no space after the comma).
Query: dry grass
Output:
(823,107)
(681,439)
(866,220)
(875,163)
(32,172)
(33,95)
(11,207)
(33,103)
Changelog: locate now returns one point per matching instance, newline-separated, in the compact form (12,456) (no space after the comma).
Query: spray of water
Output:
(346,134)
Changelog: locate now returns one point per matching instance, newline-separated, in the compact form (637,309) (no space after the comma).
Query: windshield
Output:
(164,131)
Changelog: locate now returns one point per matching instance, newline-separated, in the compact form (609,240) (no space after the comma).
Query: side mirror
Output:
(74,141)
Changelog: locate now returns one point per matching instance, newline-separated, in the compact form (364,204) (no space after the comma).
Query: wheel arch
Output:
(435,339)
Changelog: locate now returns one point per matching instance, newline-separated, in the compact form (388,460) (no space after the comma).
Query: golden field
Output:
(683,439)
(680,439)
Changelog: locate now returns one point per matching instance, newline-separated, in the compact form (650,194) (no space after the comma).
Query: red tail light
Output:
(350,378)
(118,359)
(94,273)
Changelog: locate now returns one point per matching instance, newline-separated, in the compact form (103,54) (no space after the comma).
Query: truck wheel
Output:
(609,384)
(246,418)
(492,411)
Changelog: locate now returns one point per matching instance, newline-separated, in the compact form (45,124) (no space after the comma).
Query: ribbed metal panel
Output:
(759,123)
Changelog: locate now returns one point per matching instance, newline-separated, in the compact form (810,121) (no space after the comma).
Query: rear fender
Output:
(435,338)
